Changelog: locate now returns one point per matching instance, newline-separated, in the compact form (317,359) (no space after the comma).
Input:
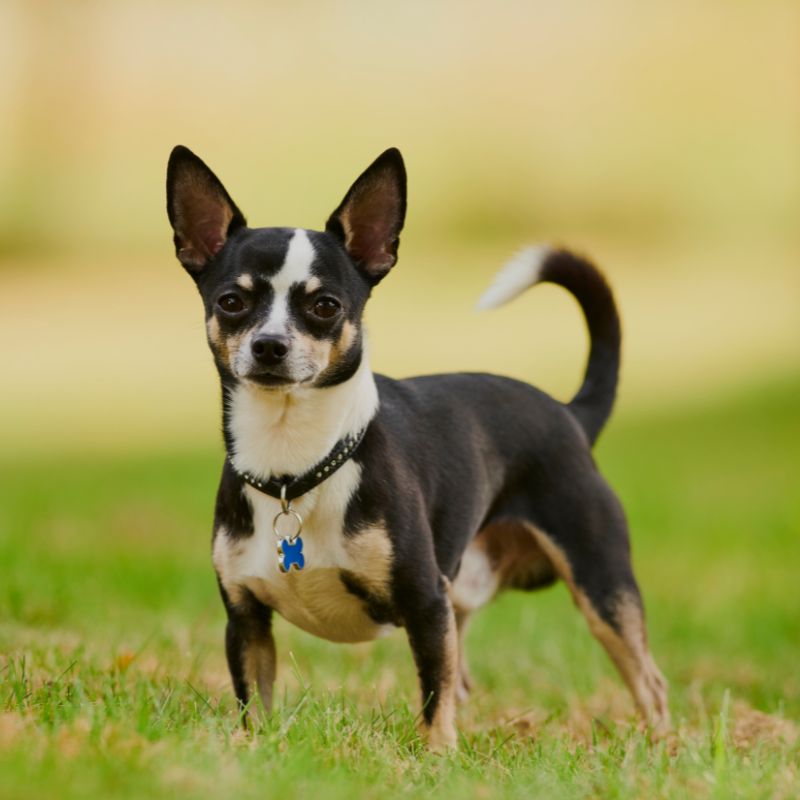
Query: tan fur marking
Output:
(441,734)
(323,352)
(312,351)
(212,327)
(260,662)
(226,346)
(347,337)
(516,556)
(652,686)
(342,345)
(245,281)
(312,284)
(317,601)
(627,650)
(372,550)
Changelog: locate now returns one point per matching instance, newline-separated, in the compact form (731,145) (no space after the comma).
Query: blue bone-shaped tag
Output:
(290,554)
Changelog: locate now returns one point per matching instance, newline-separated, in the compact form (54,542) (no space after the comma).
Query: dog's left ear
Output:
(369,219)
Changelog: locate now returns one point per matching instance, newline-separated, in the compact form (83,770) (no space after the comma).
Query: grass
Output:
(113,683)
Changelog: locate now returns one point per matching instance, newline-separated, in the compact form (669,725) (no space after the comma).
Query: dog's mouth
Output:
(274,380)
(270,380)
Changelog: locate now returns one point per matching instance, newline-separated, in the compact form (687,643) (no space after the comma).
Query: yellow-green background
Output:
(661,139)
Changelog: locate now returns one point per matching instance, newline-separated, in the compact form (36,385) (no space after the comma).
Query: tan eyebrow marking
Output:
(312,284)
(245,281)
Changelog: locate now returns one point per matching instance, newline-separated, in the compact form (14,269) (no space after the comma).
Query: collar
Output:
(290,487)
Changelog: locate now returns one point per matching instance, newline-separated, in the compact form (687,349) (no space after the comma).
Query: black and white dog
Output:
(351,503)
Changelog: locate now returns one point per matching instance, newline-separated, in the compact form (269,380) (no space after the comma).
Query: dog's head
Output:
(284,305)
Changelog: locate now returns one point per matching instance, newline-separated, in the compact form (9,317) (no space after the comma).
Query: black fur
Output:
(593,403)
(380,609)
(232,508)
(445,456)
(249,626)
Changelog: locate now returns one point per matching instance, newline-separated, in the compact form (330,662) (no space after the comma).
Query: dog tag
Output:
(290,554)
(290,546)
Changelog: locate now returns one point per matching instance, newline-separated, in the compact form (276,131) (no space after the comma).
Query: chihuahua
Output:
(352,504)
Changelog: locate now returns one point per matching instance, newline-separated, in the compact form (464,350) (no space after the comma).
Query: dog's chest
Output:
(315,598)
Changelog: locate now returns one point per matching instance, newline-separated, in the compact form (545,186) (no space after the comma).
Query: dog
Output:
(353,504)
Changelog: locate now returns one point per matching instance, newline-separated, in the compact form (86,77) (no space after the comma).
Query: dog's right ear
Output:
(200,211)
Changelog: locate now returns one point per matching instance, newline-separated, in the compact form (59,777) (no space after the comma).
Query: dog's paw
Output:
(441,738)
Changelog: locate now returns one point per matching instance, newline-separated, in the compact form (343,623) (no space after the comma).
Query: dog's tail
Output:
(595,398)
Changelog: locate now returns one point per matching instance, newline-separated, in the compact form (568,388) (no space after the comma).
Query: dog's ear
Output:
(369,219)
(200,211)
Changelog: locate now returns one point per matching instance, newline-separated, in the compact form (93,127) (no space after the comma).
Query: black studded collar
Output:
(293,486)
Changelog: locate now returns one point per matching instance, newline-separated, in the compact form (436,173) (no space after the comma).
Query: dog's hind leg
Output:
(250,650)
(620,628)
(501,556)
(592,555)
(464,684)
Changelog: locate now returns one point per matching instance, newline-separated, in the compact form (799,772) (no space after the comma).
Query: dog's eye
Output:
(326,308)
(231,303)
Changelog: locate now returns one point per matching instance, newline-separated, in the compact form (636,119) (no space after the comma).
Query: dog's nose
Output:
(269,350)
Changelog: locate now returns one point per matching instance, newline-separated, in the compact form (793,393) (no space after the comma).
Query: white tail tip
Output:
(519,274)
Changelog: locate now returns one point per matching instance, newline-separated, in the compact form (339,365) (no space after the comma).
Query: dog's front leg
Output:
(431,627)
(250,649)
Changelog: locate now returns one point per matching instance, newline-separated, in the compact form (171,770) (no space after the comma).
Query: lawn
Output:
(113,683)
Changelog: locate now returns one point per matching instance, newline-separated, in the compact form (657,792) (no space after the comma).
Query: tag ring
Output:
(298,522)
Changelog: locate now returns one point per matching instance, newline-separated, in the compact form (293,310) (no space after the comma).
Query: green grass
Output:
(113,683)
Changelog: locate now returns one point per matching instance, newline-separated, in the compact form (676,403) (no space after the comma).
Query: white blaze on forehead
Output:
(296,268)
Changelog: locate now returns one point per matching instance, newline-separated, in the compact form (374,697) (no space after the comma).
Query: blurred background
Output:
(662,140)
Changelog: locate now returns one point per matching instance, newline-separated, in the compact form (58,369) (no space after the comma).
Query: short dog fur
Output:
(463,485)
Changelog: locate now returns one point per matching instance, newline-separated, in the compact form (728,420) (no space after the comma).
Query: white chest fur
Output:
(276,434)
(315,598)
